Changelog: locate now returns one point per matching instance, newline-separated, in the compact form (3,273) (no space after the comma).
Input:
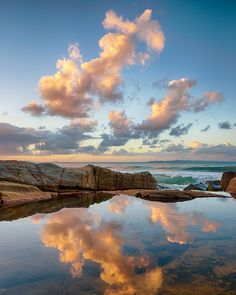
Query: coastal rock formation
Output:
(50,177)
(15,193)
(232,186)
(226,178)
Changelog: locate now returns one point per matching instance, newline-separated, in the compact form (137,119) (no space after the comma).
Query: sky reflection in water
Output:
(123,246)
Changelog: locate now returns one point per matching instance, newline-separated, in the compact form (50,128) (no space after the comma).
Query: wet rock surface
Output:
(175,195)
(226,178)
(232,186)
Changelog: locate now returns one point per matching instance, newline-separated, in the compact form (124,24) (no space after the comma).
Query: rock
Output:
(232,186)
(50,177)
(13,198)
(196,187)
(105,179)
(225,179)
(15,193)
(213,185)
(17,187)
(175,195)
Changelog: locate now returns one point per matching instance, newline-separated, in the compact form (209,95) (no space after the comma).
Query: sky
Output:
(117,80)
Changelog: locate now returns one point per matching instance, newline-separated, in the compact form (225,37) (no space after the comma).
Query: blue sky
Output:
(199,45)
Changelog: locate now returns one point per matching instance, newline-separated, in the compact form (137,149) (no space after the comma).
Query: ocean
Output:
(171,174)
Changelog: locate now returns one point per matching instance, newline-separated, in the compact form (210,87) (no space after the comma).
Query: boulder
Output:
(196,187)
(50,177)
(213,185)
(232,186)
(225,179)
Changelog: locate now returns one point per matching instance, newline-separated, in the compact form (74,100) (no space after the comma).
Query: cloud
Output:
(34,109)
(144,28)
(122,130)
(165,112)
(32,141)
(176,148)
(225,149)
(224,125)
(16,139)
(68,138)
(210,97)
(71,90)
(180,130)
(206,128)
(197,148)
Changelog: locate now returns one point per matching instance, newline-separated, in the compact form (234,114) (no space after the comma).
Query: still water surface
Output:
(120,246)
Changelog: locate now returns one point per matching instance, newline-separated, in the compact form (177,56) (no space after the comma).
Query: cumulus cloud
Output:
(209,98)
(206,128)
(224,125)
(180,130)
(70,91)
(34,109)
(122,130)
(143,27)
(165,112)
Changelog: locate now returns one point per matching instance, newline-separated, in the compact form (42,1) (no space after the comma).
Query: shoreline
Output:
(24,182)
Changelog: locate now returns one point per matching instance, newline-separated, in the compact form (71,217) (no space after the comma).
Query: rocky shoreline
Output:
(25,182)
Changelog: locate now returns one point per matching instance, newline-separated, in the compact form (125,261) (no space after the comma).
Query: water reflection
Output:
(176,223)
(82,235)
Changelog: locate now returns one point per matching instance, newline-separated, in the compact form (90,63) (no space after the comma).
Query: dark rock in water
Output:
(213,185)
(225,179)
(232,186)
(50,177)
(175,195)
(196,187)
